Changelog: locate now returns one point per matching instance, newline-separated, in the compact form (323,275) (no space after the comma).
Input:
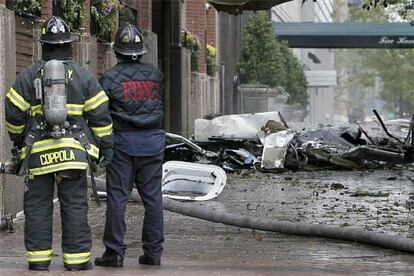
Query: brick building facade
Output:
(211,27)
(201,21)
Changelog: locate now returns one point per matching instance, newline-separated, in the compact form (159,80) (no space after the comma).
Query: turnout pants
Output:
(38,210)
(145,172)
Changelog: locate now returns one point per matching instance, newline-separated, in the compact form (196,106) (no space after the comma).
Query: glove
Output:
(14,165)
(106,156)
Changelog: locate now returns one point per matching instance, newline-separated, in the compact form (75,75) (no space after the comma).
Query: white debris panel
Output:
(238,126)
(192,181)
(274,149)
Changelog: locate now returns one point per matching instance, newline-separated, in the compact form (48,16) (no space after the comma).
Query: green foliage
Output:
(266,61)
(126,15)
(402,9)
(295,82)
(192,43)
(261,58)
(394,68)
(211,63)
(73,13)
(30,7)
(103,14)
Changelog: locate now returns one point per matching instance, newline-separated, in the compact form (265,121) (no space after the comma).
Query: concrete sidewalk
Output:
(196,247)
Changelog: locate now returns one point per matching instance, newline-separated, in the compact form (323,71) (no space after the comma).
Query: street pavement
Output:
(197,247)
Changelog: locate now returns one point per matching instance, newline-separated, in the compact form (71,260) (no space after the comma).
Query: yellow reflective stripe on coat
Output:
(17,100)
(15,128)
(102,131)
(95,101)
(73,109)
(59,167)
(76,258)
(36,110)
(39,256)
(50,144)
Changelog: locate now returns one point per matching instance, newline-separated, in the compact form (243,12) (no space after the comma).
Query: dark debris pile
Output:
(278,147)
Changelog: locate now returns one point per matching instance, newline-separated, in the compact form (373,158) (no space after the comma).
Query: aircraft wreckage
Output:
(265,142)
(236,144)
(196,169)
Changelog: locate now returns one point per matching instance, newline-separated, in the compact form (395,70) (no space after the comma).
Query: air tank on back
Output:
(54,93)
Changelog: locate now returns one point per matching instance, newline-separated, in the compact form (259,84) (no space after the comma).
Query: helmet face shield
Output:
(129,41)
(56,31)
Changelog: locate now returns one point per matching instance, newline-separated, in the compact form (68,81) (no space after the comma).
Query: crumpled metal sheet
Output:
(322,136)
(237,138)
(374,154)
(274,149)
(398,127)
(333,147)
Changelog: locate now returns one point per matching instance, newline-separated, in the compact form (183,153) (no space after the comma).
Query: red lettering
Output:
(137,93)
(145,89)
(141,90)
(126,85)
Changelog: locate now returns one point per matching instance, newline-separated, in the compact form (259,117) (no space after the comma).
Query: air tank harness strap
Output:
(83,139)
(30,139)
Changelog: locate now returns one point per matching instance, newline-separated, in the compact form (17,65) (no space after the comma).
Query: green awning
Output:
(346,35)
(238,6)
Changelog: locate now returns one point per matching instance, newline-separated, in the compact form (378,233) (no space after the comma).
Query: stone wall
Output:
(85,52)
(151,41)
(27,45)
(261,99)
(105,58)
(202,99)
(255,98)
(12,188)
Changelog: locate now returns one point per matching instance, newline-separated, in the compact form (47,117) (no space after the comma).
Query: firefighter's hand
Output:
(106,156)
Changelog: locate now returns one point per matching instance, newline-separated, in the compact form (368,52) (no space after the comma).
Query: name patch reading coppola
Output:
(57,157)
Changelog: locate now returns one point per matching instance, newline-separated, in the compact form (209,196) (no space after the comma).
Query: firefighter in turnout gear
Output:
(136,105)
(57,113)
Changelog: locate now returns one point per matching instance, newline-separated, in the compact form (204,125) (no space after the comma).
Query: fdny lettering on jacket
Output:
(56,157)
(141,90)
